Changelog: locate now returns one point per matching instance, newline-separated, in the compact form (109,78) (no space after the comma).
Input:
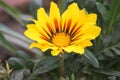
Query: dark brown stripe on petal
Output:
(64,26)
(47,32)
(44,38)
(49,27)
(56,25)
(76,30)
(60,26)
(77,37)
(73,28)
(68,25)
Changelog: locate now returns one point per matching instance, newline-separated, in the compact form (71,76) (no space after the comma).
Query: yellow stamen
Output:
(61,39)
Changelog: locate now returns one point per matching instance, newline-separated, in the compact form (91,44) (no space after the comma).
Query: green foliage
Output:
(91,59)
(33,6)
(6,44)
(100,62)
(42,65)
(113,13)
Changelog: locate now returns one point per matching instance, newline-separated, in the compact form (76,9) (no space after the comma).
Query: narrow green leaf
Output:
(74,66)
(102,10)
(29,64)
(112,78)
(91,59)
(63,4)
(114,11)
(107,72)
(45,65)
(109,53)
(117,51)
(17,75)
(6,44)
(23,55)
(11,11)
(107,49)
(81,3)
(16,63)
(33,6)
(72,77)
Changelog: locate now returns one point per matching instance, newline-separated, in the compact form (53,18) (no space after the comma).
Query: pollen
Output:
(61,39)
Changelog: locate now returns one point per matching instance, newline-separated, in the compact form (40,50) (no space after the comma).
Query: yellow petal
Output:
(42,22)
(68,48)
(78,49)
(54,16)
(86,43)
(88,31)
(43,46)
(56,52)
(72,13)
(41,14)
(85,18)
(91,31)
(32,32)
(92,18)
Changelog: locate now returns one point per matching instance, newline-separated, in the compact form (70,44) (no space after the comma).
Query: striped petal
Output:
(72,13)
(54,16)
(43,21)
(88,31)
(43,46)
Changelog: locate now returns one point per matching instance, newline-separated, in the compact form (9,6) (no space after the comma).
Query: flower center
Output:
(61,39)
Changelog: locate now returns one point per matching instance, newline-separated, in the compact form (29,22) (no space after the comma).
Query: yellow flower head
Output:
(70,32)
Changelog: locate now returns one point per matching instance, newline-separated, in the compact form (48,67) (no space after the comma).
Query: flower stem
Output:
(61,66)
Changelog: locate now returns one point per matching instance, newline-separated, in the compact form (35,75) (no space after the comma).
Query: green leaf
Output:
(11,11)
(10,33)
(33,6)
(23,55)
(81,3)
(63,5)
(6,44)
(72,77)
(74,66)
(29,64)
(107,72)
(112,78)
(117,51)
(114,11)
(111,50)
(109,53)
(17,75)
(45,65)
(16,63)
(91,58)
(102,10)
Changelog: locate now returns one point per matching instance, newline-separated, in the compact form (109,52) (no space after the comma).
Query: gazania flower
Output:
(69,32)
